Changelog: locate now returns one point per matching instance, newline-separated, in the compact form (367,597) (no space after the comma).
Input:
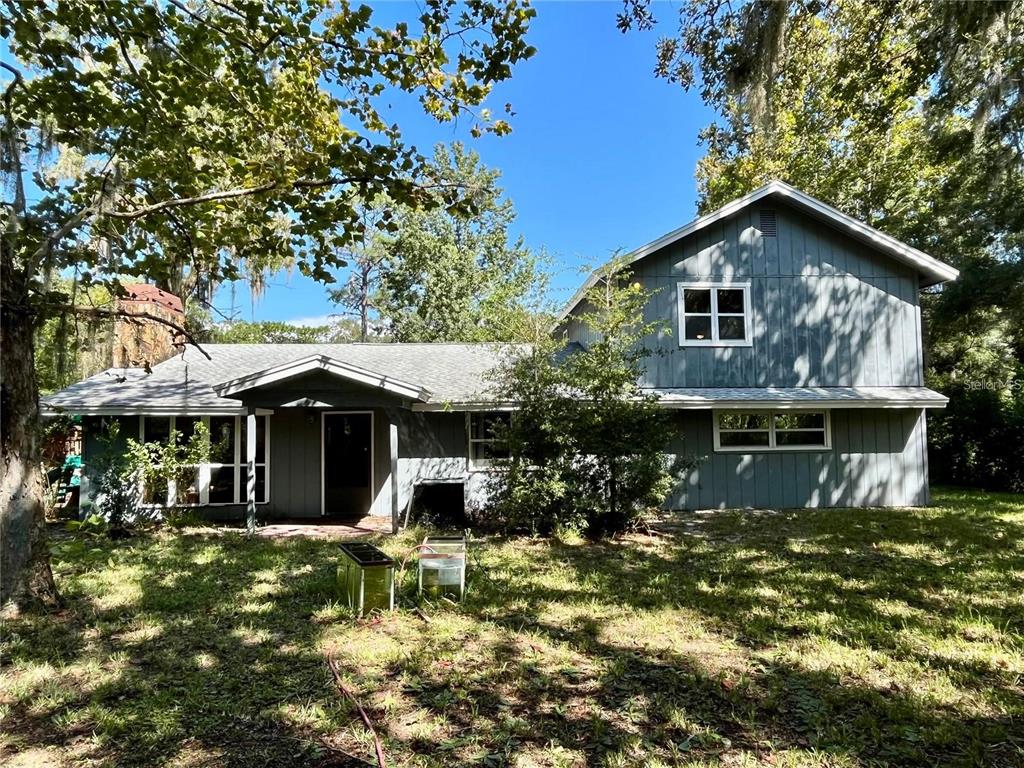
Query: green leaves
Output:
(274,106)
(452,272)
(587,444)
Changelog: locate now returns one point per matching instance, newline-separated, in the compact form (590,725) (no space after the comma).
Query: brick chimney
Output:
(136,343)
(123,342)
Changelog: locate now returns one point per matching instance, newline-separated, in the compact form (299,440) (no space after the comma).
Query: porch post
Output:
(250,463)
(393,439)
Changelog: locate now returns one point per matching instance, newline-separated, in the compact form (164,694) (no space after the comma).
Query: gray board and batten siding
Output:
(826,310)
(877,458)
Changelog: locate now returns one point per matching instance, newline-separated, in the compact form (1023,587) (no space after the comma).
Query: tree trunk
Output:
(25,576)
(364,304)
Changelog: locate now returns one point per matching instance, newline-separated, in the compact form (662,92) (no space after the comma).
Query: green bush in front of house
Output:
(128,478)
(586,446)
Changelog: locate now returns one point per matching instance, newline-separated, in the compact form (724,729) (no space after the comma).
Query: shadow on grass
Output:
(821,638)
(182,649)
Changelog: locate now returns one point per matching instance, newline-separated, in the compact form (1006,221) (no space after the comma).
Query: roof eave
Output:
(797,405)
(140,410)
(331,365)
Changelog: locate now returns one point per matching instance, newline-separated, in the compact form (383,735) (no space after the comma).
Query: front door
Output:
(348,464)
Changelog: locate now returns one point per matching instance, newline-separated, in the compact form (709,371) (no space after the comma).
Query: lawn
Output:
(818,638)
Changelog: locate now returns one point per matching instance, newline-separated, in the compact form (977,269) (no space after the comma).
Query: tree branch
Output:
(229,194)
(110,313)
(178,202)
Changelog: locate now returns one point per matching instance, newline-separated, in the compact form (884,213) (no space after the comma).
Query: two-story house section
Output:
(791,354)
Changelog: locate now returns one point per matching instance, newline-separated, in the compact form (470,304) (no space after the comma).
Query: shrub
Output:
(587,444)
(122,471)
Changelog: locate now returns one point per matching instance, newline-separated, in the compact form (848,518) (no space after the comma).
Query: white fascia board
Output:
(322,363)
(940,271)
(144,410)
(800,405)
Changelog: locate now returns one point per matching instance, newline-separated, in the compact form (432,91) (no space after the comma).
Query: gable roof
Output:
(932,270)
(321,362)
(436,375)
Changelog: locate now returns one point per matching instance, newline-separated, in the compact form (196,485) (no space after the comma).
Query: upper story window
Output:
(486,429)
(749,431)
(714,314)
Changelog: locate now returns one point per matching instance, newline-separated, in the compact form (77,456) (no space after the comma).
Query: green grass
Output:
(818,638)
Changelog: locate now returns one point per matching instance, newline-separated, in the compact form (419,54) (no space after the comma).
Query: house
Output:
(791,359)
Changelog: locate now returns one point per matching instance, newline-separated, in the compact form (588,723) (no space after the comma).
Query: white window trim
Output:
(714,341)
(772,446)
(480,465)
(204,469)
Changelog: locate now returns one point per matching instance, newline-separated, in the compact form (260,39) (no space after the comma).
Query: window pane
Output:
(732,328)
(222,439)
(800,438)
(800,420)
(156,429)
(495,450)
(222,485)
(730,301)
(261,438)
(185,426)
(738,439)
(261,484)
(696,300)
(698,328)
(187,486)
(488,425)
(155,492)
(743,420)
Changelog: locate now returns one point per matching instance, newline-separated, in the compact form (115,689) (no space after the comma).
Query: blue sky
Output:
(601,156)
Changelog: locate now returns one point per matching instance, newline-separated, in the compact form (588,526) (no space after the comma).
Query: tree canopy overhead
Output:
(194,142)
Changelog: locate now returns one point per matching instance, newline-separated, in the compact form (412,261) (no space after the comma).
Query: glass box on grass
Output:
(442,566)
(366,577)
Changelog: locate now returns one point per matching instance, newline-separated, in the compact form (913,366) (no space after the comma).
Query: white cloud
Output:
(311,322)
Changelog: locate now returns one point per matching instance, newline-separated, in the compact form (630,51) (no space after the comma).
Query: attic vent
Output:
(768,227)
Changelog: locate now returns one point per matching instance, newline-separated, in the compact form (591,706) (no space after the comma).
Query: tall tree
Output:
(359,294)
(456,275)
(908,115)
(140,136)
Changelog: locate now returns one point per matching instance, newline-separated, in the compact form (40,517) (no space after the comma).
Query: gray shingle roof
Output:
(454,373)
(451,373)
(849,397)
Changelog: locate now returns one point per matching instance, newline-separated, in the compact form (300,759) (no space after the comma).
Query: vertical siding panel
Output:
(921,464)
(854,470)
(802,479)
(785,244)
(708,498)
(770,245)
(699,450)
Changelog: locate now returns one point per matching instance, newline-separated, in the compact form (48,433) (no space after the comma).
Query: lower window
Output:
(771,430)
(486,446)
(221,480)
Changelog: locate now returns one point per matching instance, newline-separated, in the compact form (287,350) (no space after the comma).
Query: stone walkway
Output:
(285,529)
